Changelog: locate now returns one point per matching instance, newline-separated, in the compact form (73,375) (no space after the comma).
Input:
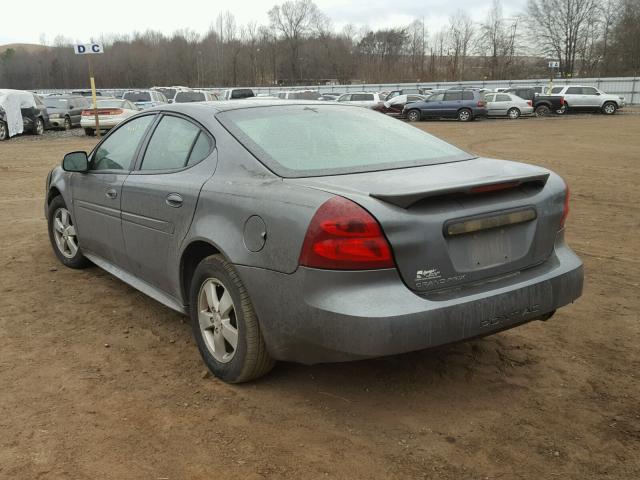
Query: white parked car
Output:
(577,97)
(363,99)
(189,96)
(110,113)
(507,105)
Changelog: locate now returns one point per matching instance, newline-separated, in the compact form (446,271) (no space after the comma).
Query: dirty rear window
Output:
(314,140)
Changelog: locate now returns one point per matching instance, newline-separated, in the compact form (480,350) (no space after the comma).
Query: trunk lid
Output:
(458,223)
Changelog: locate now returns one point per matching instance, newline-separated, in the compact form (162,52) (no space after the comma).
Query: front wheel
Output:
(609,108)
(465,115)
(413,115)
(513,113)
(4,132)
(38,128)
(63,236)
(225,324)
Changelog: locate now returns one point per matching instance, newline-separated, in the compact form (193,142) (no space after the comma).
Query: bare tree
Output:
(560,27)
(461,32)
(294,20)
(497,41)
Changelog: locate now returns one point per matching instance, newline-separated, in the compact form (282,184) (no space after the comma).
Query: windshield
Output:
(314,140)
(242,93)
(137,96)
(185,97)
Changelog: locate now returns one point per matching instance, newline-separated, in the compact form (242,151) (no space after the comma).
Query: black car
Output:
(35,119)
(542,104)
(65,110)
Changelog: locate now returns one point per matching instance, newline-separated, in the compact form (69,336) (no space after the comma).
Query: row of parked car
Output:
(22,111)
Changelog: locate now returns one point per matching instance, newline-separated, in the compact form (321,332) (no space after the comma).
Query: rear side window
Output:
(452,96)
(501,97)
(171,145)
(589,91)
(467,95)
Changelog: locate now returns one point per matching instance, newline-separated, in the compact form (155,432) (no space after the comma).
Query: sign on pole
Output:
(88,48)
(91,49)
(554,64)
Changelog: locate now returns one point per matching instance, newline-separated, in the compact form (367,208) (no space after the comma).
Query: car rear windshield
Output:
(314,140)
(110,103)
(242,93)
(137,96)
(186,97)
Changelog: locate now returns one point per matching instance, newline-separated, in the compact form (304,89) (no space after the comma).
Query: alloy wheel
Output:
(514,113)
(609,108)
(217,319)
(64,233)
(464,115)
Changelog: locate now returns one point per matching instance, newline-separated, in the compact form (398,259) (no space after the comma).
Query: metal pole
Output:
(93,96)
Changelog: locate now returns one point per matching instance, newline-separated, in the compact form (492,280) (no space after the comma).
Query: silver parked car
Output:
(507,105)
(313,231)
(579,98)
(362,99)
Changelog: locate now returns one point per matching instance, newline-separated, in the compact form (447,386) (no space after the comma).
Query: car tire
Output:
(609,108)
(66,125)
(513,113)
(542,111)
(89,132)
(413,115)
(4,131)
(216,282)
(465,115)
(63,236)
(38,128)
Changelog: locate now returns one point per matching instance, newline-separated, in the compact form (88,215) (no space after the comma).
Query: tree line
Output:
(299,45)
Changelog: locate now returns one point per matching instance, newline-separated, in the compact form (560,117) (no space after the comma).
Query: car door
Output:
(97,193)
(502,104)
(451,102)
(591,97)
(433,105)
(573,96)
(160,196)
(491,104)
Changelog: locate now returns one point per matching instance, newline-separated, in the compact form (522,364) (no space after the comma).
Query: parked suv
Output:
(145,98)
(237,93)
(65,111)
(362,99)
(463,104)
(577,97)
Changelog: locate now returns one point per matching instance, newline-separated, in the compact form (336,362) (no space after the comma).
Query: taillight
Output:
(110,111)
(86,113)
(561,101)
(530,103)
(344,236)
(482,103)
(565,210)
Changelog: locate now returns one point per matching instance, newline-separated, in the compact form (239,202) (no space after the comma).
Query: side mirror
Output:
(75,162)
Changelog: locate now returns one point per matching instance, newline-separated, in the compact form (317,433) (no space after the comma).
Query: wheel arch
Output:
(196,251)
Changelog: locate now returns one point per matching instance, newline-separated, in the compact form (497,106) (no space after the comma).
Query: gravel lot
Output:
(99,381)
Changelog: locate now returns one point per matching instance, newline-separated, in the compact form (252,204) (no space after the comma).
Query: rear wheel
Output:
(67,123)
(413,115)
(464,115)
(63,236)
(609,108)
(542,110)
(4,133)
(513,113)
(90,132)
(225,324)
(38,128)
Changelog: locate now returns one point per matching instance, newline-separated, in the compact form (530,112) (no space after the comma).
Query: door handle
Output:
(111,193)
(174,200)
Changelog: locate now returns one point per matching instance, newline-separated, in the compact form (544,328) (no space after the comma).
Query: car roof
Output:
(227,105)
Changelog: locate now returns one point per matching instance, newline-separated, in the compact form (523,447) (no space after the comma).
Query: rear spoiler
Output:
(406,199)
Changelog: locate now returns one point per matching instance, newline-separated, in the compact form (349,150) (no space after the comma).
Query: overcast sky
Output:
(25,21)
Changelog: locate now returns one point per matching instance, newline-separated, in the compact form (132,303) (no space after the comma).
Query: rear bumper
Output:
(314,316)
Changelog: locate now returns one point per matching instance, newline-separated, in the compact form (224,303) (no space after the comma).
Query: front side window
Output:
(489,98)
(118,150)
(436,98)
(312,140)
(501,97)
(557,90)
(574,91)
(345,98)
(171,145)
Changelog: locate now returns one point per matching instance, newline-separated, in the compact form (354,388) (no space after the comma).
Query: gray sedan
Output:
(507,105)
(313,232)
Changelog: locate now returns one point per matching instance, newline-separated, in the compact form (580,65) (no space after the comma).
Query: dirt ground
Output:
(99,381)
